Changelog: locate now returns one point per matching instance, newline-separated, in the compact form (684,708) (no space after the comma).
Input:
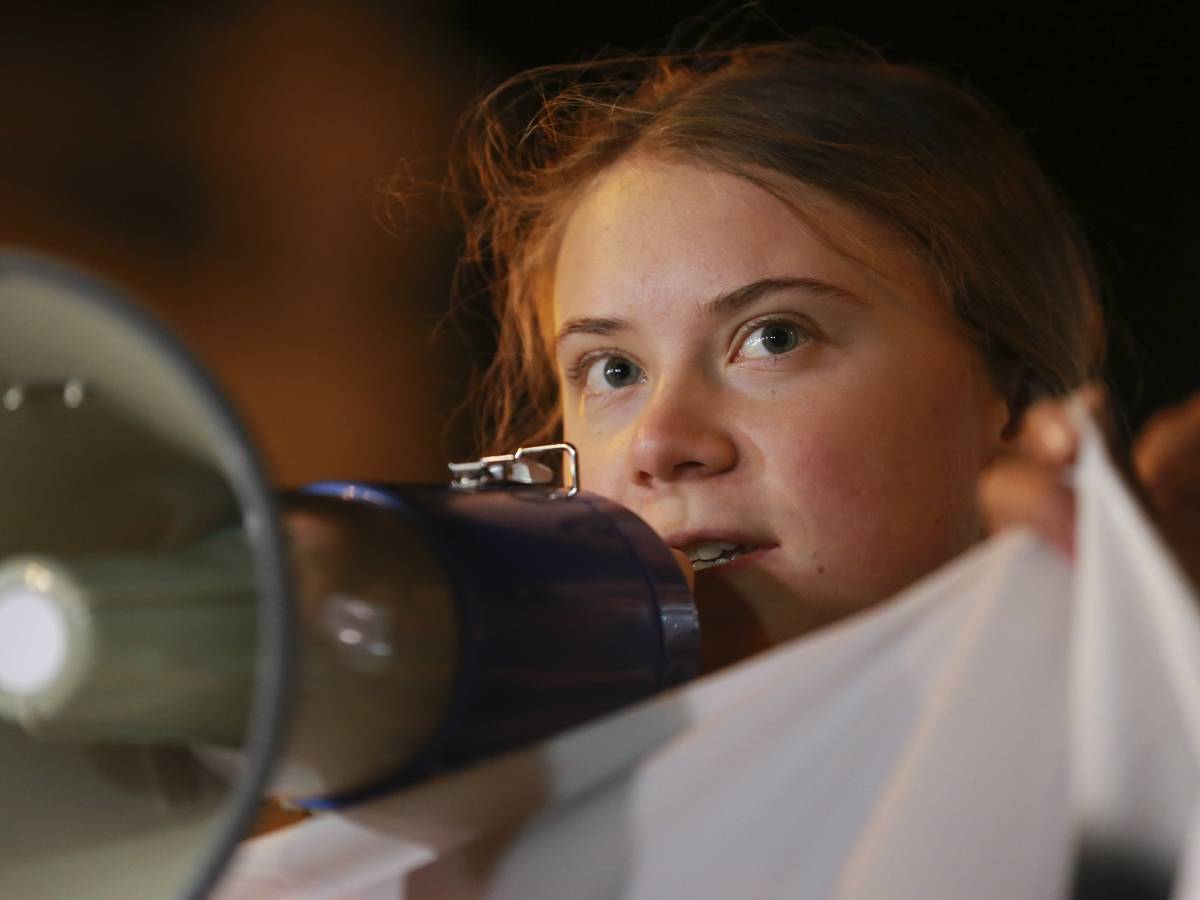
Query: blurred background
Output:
(224,162)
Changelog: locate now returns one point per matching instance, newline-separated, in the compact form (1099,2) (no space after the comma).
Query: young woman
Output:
(789,304)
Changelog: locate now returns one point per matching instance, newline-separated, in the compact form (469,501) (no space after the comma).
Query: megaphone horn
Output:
(165,617)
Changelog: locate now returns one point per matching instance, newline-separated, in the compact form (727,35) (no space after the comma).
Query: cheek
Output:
(600,460)
(879,479)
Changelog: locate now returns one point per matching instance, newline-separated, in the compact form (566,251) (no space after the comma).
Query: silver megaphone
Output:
(178,640)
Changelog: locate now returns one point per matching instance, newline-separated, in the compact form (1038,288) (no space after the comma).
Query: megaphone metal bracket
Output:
(518,468)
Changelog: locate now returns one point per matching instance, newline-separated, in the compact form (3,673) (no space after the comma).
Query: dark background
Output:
(224,160)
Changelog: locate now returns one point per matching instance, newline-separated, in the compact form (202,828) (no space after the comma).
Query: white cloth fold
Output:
(955,742)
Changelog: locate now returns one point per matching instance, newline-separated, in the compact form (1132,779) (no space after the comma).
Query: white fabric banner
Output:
(955,742)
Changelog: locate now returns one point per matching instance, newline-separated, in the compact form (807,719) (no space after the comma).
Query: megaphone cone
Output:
(154,591)
(123,634)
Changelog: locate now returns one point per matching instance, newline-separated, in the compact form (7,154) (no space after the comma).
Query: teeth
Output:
(729,552)
(710,550)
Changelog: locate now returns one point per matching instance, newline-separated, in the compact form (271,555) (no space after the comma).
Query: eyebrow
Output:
(722,305)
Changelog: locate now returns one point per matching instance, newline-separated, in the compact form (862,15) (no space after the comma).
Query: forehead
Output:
(649,233)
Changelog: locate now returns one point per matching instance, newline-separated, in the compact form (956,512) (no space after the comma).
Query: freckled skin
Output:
(857,452)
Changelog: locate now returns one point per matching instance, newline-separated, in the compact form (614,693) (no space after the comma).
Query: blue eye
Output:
(610,372)
(620,372)
(771,339)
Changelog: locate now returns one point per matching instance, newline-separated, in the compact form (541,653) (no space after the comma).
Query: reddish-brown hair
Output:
(894,143)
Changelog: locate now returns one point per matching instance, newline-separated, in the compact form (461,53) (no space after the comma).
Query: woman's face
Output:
(740,383)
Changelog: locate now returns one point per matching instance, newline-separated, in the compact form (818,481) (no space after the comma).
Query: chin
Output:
(759,608)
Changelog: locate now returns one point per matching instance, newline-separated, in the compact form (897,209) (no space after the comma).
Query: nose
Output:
(680,435)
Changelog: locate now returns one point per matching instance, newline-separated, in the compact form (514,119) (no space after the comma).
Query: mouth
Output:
(710,553)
